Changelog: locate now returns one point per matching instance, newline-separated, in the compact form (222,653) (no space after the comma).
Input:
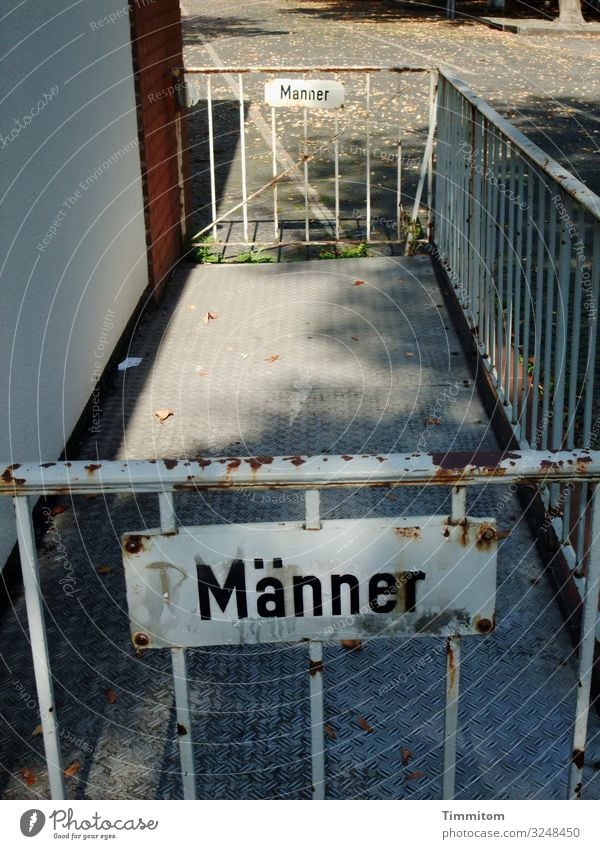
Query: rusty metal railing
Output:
(22,482)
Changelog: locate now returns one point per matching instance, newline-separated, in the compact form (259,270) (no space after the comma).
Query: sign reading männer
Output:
(319,94)
(271,582)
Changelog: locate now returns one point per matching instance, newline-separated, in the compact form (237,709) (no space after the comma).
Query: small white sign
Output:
(316,94)
(219,584)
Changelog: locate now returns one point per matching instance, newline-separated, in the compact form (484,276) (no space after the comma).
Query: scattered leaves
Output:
(364,725)
(57,510)
(73,767)
(209,316)
(103,570)
(408,354)
(37,731)
(406,755)
(163,415)
(110,696)
(229,348)
(28,776)
(201,372)
(432,421)
(390,496)
(351,645)
(330,732)
(359,283)
(413,776)
(354,338)
(191,306)
(272,359)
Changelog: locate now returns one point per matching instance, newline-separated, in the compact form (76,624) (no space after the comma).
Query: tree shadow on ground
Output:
(199,27)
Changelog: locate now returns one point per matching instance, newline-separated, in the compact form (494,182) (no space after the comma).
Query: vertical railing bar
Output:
(451,716)
(562,306)
(459,504)
(317,719)
(336,156)
(527,277)
(399,165)
(368,130)
(274,172)
(587,643)
(534,438)
(306,213)
(500,276)
(575,338)
(211,155)
(428,145)
(243,157)
(548,329)
(312,500)
(513,167)
(432,120)
(517,259)
(39,645)
(183,713)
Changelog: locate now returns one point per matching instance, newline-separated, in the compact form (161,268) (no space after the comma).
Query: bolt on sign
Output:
(320,94)
(277,582)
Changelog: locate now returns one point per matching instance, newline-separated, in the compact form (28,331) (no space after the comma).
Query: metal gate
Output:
(518,238)
(311,474)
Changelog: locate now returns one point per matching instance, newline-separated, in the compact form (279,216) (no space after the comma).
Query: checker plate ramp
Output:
(299,359)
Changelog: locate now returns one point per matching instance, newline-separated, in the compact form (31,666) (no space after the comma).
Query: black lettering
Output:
(285,92)
(336,603)
(315,585)
(411,588)
(276,598)
(382,584)
(235,580)
(320,95)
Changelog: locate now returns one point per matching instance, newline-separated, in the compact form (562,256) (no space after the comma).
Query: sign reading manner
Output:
(219,584)
(322,94)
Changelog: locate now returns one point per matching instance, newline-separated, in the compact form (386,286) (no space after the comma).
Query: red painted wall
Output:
(157,48)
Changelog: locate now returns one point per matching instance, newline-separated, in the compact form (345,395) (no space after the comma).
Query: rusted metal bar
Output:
(586,653)
(317,737)
(305,69)
(301,472)
(451,716)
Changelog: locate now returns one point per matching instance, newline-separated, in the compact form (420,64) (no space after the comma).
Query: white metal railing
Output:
(166,478)
(341,123)
(520,239)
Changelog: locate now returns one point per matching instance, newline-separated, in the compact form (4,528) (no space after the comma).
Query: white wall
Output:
(70,174)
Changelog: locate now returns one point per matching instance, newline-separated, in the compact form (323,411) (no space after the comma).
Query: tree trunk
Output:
(570,12)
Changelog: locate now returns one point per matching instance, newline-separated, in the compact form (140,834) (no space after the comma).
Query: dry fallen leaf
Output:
(359,283)
(391,496)
(432,421)
(364,725)
(408,354)
(272,359)
(412,776)
(351,645)
(191,306)
(28,776)
(210,316)
(354,338)
(202,372)
(163,415)
(72,768)
(57,510)
(37,731)
(110,696)
(103,570)
(229,348)
(406,755)
(330,732)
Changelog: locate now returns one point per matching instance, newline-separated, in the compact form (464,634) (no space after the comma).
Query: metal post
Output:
(399,168)
(459,504)
(313,514)
(336,156)
(317,737)
(451,716)
(586,653)
(306,217)
(274,171)
(211,156)
(168,522)
(368,130)
(534,438)
(39,645)
(243,157)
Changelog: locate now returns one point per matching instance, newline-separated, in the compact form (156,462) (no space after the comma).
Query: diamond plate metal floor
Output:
(299,359)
